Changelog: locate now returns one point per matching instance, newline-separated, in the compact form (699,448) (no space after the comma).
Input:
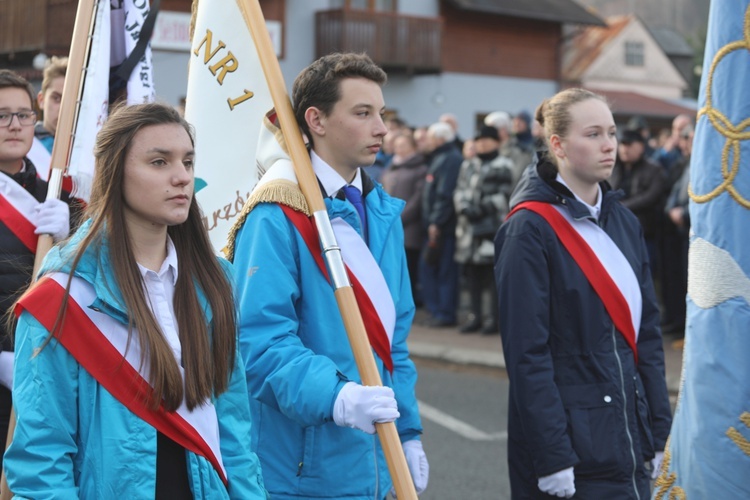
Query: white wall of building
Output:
(170,75)
(657,77)
(421,100)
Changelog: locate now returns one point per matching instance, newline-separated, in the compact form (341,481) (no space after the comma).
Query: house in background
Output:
(679,51)
(467,57)
(624,62)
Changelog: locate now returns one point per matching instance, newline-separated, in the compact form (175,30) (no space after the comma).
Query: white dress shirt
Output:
(330,179)
(159,288)
(596,208)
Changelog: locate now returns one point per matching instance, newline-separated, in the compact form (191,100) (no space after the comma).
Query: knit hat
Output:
(488,132)
(631,136)
(525,116)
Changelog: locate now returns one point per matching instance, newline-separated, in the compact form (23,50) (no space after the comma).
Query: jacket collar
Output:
(95,267)
(383,211)
(538,183)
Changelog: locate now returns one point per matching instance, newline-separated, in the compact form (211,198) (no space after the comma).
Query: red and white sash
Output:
(602,262)
(99,343)
(369,286)
(41,158)
(17,211)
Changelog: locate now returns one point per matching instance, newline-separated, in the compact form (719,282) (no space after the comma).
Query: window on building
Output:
(634,53)
(378,5)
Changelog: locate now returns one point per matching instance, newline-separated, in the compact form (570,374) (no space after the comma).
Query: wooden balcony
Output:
(31,26)
(397,43)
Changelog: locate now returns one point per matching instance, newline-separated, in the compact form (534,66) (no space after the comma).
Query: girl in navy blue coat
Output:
(589,412)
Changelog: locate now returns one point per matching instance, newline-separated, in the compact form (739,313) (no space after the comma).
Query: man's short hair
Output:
(11,79)
(318,84)
(498,119)
(56,67)
(442,130)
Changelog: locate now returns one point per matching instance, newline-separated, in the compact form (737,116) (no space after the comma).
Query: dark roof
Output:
(559,11)
(633,103)
(671,42)
(586,46)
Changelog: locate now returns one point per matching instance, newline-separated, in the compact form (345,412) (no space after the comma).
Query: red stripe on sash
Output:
(614,302)
(376,333)
(83,340)
(18,224)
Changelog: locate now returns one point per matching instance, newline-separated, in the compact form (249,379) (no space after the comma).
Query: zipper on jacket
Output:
(299,468)
(625,412)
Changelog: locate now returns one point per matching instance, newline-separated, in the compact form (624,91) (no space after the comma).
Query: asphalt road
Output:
(464,415)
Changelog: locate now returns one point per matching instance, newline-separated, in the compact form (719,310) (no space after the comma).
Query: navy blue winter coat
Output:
(577,397)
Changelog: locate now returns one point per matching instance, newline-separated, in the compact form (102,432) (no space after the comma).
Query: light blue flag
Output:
(708,453)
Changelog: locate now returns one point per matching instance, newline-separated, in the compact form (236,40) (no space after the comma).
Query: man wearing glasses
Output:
(24,213)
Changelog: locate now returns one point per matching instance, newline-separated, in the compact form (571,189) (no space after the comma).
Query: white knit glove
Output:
(359,407)
(560,484)
(53,218)
(6,369)
(656,464)
(418,465)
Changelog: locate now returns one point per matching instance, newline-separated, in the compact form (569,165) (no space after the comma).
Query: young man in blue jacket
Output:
(314,429)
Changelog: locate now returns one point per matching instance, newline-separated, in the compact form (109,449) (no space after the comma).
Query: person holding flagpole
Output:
(589,411)
(314,431)
(24,214)
(128,379)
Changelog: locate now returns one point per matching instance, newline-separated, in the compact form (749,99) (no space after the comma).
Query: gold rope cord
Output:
(666,480)
(733,134)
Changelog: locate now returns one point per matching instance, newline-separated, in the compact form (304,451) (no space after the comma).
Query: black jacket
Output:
(437,197)
(17,261)
(643,185)
(577,397)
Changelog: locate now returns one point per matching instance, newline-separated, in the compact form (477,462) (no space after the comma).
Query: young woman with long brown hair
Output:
(128,383)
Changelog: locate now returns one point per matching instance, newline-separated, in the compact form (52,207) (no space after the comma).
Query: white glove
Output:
(359,407)
(418,466)
(6,369)
(560,484)
(53,217)
(656,464)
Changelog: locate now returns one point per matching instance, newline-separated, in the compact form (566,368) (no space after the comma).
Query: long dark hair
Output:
(208,350)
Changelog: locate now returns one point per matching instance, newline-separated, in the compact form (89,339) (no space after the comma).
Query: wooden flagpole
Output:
(344,293)
(79,48)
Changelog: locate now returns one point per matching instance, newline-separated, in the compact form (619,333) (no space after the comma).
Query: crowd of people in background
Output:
(457,194)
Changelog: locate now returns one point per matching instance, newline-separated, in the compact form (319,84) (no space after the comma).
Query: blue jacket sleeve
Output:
(409,424)
(523,286)
(240,462)
(446,178)
(280,370)
(39,461)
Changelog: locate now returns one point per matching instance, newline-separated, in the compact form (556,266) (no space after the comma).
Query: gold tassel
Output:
(279,191)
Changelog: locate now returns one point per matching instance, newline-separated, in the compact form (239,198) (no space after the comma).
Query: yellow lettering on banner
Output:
(237,100)
(208,54)
(225,213)
(227,65)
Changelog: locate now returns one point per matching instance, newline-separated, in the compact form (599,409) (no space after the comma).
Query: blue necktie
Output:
(355,198)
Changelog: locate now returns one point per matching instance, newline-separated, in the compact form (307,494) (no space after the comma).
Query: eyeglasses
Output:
(24,118)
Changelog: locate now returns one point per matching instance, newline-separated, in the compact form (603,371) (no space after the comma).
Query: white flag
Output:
(116,30)
(94,103)
(141,81)
(227,97)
